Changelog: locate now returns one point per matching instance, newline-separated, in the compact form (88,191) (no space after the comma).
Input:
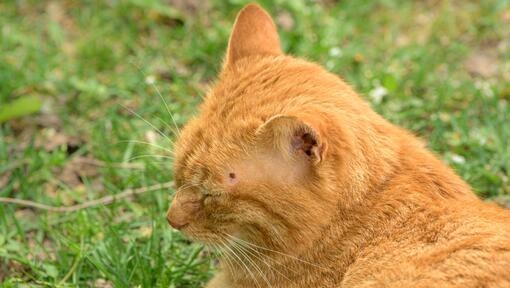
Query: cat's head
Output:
(265,159)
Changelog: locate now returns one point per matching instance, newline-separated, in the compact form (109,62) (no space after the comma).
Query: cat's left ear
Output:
(295,137)
(254,33)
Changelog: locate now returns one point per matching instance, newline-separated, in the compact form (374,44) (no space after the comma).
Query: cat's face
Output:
(253,163)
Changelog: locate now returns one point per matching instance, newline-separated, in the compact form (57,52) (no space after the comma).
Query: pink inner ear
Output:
(297,142)
(304,142)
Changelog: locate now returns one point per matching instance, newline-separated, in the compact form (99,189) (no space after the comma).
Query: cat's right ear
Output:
(296,138)
(254,33)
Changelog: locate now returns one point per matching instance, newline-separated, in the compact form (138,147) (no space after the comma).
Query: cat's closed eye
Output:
(206,191)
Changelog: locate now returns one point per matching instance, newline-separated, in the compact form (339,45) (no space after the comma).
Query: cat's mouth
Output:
(213,238)
(203,237)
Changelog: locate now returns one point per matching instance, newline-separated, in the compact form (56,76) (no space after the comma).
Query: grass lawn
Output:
(101,69)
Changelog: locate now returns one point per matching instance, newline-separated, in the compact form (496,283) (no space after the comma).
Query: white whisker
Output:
(177,131)
(233,238)
(226,258)
(253,264)
(148,143)
(262,257)
(149,123)
(244,264)
(149,155)
(167,109)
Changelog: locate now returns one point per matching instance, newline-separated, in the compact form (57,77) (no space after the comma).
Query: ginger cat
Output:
(301,184)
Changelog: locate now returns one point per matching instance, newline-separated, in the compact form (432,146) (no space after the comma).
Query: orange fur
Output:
(287,157)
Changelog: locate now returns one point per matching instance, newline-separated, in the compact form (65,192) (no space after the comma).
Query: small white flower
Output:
(458,159)
(335,52)
(485,88)
(476,134)
(150,79)
(377,94)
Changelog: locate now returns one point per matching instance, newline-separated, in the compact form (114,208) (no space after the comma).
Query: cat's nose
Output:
(176,218)
(175,223)
(181,213)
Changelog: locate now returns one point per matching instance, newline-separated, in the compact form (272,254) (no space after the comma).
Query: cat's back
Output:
(436,243)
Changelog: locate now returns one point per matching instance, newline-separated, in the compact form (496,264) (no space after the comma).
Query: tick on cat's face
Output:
(251,164)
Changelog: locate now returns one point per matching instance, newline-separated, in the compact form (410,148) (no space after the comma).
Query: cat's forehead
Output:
(207,144)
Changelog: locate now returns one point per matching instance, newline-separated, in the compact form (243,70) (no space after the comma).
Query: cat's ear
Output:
(293,136)
(254,33)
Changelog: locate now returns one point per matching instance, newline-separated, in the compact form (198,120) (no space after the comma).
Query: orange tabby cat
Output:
(301,184)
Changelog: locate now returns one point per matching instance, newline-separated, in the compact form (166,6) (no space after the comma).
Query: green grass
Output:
(89,62)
